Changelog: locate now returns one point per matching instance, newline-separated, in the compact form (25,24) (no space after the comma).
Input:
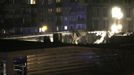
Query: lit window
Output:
(43,29)
(58,1)
(65,27)
(50,10)
(32,1)
(57,28)
(58,9)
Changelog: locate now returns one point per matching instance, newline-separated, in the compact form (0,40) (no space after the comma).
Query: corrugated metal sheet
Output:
(58,61)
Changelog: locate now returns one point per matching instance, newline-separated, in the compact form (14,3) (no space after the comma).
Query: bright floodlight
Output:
(116,28)
(117,13)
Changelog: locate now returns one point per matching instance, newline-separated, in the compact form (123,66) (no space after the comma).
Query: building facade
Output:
(57,14)
(73,16)
(17,15)
(60,15)
(100,17)
(66,15)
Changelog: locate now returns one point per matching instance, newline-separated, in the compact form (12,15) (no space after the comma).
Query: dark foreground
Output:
(99,59)
(104,62)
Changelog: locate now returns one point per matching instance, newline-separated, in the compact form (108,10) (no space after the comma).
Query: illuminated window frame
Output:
(50,10)
(58,10)
(58,1)
(32,1)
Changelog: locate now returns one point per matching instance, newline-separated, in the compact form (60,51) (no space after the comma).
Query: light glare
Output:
(116,28)
(117,13)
